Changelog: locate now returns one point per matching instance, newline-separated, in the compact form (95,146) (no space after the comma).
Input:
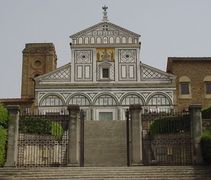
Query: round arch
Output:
(99,40)
(159,99)
(105,99)
(111,40)
(80,99)
(52,99)
(132,98)
(184,79)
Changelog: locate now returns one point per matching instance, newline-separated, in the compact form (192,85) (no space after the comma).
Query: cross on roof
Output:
(105,7)
(105,17)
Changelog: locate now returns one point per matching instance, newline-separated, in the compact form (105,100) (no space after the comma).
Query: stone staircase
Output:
(101,173)
(105,143)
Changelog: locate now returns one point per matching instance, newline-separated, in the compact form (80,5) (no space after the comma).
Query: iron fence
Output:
(166,139)
(42,140)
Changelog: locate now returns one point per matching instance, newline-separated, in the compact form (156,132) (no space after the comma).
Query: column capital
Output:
(73,108)
(135,107)
(14,109)
(195,106)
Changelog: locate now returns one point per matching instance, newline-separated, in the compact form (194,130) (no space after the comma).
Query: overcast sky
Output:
(167,28)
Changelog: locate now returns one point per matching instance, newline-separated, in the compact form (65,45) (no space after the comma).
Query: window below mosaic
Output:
(105,73)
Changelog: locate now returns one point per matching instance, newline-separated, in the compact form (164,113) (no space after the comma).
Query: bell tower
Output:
(38,59)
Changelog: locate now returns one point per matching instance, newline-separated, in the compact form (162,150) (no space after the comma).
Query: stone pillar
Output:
(136,135)
(118,114)
(196,131)
(91,114)
(12,146)
(74,136)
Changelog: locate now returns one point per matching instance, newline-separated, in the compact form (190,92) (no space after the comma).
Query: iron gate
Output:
(166,138)
(43,140)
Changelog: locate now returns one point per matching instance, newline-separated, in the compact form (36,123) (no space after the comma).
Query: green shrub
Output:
(39,125)
(3,142)
(35,125)
(172,124)
(4,116)
(57,131)
(206,146)
(206,113)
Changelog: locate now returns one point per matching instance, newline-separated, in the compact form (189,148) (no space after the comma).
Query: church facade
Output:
(104,77)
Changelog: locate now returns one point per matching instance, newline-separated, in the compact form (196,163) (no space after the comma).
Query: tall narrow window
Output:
(105,72)
(184,88)
(208,87)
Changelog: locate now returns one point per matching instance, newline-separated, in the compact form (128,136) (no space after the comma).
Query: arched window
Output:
(124,40)
(86,40)
(111,40)
(80,40)
(92,40)
(130,40)
(52,100)
(117,40)
(132,99)
(159,99)
(105,40)
(105,100)
(136,40)
(98,40)
(79,100)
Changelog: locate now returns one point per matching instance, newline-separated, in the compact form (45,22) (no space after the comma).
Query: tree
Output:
(4,116)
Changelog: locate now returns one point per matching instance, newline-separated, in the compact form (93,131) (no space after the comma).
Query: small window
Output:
(105,116)
(105,73)
(208,87)
(185,89)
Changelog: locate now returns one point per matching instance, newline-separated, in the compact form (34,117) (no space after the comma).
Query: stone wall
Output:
(196,69)
(38,59)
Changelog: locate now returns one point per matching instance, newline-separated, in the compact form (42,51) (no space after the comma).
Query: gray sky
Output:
(167,28)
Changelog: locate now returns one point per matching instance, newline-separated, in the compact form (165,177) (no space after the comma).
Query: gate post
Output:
(128,136)
(12,145)
(74,136)
(196,131)
(136,135)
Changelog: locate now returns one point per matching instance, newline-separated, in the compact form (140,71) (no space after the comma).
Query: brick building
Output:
(193,80)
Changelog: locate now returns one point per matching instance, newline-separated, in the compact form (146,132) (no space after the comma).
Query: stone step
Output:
(107,139)
(144,172)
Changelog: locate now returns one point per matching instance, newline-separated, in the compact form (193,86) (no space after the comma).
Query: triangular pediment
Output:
(149,73)
(62,74)
(104,29)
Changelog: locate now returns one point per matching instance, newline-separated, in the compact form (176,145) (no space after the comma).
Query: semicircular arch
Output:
(80,99)
(132,98)
(159,98)
(52,99)
(105,99)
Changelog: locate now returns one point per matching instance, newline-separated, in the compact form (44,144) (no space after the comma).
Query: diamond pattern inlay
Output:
(62,74)
(151,74)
